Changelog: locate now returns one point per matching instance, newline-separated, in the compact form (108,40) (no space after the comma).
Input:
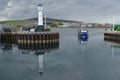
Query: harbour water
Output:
(72,59)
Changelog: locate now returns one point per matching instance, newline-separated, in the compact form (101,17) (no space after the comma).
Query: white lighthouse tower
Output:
(40,15)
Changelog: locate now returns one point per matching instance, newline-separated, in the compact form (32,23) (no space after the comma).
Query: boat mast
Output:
(45,22)
(113,22)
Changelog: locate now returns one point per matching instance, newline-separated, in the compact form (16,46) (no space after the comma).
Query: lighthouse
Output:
(40,15)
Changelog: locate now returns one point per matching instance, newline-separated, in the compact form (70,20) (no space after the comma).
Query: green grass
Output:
(17,23)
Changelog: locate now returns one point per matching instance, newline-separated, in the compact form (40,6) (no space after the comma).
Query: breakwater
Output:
(30,37)
(112,36)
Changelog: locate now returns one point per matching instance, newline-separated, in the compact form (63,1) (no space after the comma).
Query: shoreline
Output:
(80,27)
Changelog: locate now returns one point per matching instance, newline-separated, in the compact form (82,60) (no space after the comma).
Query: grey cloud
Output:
(86,10)
(3,4)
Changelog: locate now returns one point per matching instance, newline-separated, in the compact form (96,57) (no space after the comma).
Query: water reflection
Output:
(34,48)
(115,46)
(83,42)
(39,50)
(6,48)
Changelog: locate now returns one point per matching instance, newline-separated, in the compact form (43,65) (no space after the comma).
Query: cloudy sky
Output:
(101,11)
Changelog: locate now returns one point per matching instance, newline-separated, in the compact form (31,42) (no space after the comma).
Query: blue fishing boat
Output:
(83,42)
(83,33)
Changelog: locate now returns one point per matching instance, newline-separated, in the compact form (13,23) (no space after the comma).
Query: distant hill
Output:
(55,20)
(15,23)
(52,22)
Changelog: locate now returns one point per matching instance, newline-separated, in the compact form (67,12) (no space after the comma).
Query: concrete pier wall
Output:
(112,36)
(30,37)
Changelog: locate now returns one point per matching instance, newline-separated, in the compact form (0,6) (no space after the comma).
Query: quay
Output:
(30,37)
(112,36)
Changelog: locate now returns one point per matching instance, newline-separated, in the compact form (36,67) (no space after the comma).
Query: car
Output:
(37,28)
(6,29)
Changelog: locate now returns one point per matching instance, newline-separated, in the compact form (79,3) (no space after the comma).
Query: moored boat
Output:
(82,32)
